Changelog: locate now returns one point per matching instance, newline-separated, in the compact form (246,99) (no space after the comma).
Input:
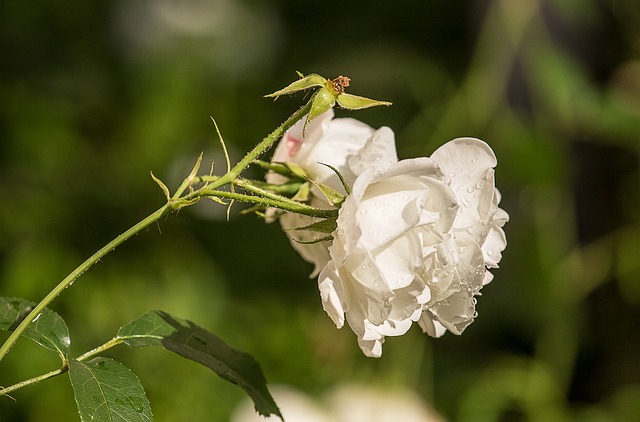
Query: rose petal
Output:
(379,152)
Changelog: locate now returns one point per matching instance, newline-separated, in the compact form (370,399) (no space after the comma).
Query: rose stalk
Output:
(329,92)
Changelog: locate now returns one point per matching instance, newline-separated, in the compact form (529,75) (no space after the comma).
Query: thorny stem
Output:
(173,204)
(260,149)
(73,276)
(291,206)
(5,391)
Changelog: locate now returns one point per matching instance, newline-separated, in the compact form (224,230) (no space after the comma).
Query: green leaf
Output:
(48,329)
(158,328)
(106,390)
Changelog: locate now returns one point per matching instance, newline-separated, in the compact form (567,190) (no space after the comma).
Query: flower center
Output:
(339,84)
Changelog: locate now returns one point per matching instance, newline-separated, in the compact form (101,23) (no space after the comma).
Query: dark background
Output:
(94,95)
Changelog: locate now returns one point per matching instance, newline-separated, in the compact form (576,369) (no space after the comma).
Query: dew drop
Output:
(490,252)
(473,160)
(37,316)
(470,189)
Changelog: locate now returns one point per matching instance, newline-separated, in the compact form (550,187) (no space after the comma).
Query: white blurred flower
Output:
(414,238)
(293,404)
(362,403)
(345,403)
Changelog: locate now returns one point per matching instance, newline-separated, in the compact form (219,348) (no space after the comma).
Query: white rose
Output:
(414,238)
(346,144)
(412,244)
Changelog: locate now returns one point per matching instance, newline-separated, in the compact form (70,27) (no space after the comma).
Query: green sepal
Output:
(322,100)
(326,226)
(313,242)
(164,187)
(302,195)
(305,82)
(274,166)
(257,209)
(196,167)
(296,170)
(354,102)
(289,188)
(345,185)
(217,200)
(333,196)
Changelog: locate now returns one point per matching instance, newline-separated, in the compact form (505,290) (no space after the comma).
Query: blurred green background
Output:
(94,95)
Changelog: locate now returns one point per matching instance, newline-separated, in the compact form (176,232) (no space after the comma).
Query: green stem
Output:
(108,345)
(207,190)
(73,276)
(249,186)
(91,353)
(260,149)
(5,391)
(288,205)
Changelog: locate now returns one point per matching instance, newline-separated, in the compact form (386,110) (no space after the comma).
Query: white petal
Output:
(331,294)
(379,152)
(465,159)
(341,139)
(468,167)
(372,349)
(430,325)
(315,253)
(493,246)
